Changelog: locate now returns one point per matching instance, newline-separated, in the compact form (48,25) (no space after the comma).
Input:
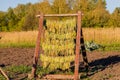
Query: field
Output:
(17,48)
(18,39)
(108,37)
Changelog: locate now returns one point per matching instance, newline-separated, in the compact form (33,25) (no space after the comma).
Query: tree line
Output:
(22,17)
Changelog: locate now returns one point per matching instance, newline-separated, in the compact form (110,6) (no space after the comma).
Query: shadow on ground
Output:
(99,65)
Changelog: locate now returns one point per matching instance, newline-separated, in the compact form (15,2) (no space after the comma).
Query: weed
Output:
(2,77)
(19,69)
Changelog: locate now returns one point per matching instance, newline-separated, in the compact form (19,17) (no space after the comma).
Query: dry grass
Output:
(100,35)
(16,37)
(13,38)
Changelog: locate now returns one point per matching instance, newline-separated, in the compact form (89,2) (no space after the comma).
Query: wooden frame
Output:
(78,41)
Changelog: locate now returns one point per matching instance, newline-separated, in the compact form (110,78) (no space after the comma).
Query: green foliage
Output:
(60,6)
(19,69)
(91,46)
(20,11)
(43,7)
(20,45)
(3,21)
(2,77)
(114,46)
(13,71)
(12,20)
(115,18)
(42,71)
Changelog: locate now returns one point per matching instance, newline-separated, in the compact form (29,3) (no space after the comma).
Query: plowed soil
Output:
(103,65)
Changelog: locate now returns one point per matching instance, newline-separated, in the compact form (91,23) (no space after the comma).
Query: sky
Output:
(112,4)
(5,4)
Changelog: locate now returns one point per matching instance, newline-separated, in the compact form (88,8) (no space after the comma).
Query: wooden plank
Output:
(77,55)
(57,15)
(58,76)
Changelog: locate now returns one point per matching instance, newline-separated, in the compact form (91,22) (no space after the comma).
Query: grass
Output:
(13,71)
(108,37)
(18,69)
(112,46)
(18,39)
(2,77)
(102,35)
(20,45)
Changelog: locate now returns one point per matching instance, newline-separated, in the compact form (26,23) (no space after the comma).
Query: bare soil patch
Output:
(16,56)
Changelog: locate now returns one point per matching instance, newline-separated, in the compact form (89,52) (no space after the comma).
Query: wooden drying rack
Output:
(78,41)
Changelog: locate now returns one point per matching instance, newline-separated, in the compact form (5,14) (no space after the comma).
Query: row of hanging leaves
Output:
(59,44)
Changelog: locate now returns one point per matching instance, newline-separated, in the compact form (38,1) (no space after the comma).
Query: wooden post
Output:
(37,48)
(76,73)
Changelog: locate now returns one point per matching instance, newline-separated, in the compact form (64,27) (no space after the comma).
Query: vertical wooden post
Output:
(76,72)
(37,48)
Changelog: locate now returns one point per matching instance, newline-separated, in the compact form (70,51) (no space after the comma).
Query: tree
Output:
(3,22)
(100,14)
(60,6)
(43,7)
(115,18)
(20,11)
(86,6)
(82,5)
(11,19)
(29,21)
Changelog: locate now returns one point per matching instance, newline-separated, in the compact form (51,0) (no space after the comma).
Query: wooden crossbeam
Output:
(58,76)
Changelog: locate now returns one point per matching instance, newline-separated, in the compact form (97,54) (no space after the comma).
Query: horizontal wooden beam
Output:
(59,77)
(57,15)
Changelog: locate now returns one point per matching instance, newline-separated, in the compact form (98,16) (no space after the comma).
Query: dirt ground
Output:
(103,65)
